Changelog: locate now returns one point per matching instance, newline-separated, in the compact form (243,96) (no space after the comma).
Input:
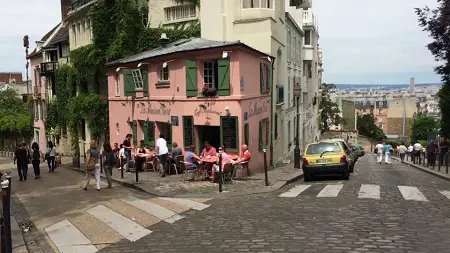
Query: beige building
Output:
(400,115)
(171,13)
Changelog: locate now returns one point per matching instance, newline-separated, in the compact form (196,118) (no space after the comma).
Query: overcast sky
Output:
(363,41)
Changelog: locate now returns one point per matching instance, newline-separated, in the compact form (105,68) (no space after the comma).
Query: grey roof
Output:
(61,36)
(183,45)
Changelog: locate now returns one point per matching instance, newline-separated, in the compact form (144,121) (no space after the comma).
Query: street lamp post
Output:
(297,93)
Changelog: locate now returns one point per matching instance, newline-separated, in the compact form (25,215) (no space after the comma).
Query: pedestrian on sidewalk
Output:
(36,160)
(379,148)
(416,156)
(387,151)
(431,153)
(402,151)
(92,166)
(127,148)
(50,156)
(22,158)
(109,160)
(163,153)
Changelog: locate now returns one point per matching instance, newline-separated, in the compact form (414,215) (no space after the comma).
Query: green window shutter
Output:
(269,78)
(150,134)
(135,133)
(191,78)
(261,76)
(169,136)
(260,135)
(145,81)
(224,76)
(188,131)
(145,130)
(267,131)
(128,83)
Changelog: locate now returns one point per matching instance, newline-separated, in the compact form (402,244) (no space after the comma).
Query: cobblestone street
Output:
(382,208)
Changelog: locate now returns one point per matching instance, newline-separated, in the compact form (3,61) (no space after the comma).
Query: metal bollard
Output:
(6,201)
(266,175)
(220,171)
(121,168)
(2,233)
(137,171)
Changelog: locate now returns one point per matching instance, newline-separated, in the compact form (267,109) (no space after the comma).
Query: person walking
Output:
(163,153)
(109,160)
(36,160)
(402,151)
(92,166)
(416,155)
(431,153)
(387,151)
(379,148)
(127,150)
(21,156)
(50,156)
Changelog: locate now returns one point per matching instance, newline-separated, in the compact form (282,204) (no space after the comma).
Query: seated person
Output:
(191,159)
(141,155)
(244,158)
(209,151)
(226,159)
(176,151)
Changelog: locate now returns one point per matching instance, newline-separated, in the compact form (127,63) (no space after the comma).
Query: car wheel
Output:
(346,175)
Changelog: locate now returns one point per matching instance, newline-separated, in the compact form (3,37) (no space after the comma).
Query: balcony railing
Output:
(78,3)
(48,68)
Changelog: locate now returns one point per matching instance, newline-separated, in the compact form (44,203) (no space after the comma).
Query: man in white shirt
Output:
(416,155)
(163,153)
(402,151)
(379,148)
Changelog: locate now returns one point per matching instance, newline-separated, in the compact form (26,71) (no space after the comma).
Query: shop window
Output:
(135,80)
(164,74)
(229,133)
(166,129)
(263,133)
(265,82)
(246,134)
(149,134)
(188,131)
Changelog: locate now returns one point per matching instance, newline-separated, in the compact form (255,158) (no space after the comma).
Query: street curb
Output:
(271,188)
(432,172)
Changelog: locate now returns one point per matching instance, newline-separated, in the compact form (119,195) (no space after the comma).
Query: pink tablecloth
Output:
(213,159)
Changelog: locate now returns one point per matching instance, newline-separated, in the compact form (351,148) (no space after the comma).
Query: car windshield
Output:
(323,147)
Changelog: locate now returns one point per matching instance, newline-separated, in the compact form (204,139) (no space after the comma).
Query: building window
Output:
(137,79)
(289,46)
(266,4)
(117,84)
(164,74)
(210,74)
(180,12)
(263,133)
(289,92)
(74,32)
(308,37)
(265,78)
(229,133)
(246,133)
(280,92)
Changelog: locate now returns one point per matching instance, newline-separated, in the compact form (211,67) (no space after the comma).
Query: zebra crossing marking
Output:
(331,190)
(369,191)
(68,239)
(294,192)
(412,193)
(153,209)
(124,226)
(445,193)
(188,203)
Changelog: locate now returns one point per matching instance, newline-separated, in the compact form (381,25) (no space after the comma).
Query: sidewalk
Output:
(442,173)
(172,186)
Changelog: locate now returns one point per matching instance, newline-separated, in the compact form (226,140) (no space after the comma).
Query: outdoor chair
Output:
(179,159)
(186,171)
(244,170)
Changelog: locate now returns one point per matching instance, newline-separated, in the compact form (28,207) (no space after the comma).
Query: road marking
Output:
(68,239)
(411,193)
(153,209)
(294,192)
(445,193)
(188,203)
(369,191)
(124,226)
(331,190)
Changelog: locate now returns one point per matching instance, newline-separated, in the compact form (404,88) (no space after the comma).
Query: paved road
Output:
(382,208)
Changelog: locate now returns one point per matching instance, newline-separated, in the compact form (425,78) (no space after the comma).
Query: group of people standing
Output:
(24,156)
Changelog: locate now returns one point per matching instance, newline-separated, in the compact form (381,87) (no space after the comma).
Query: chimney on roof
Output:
(65,6)
(164,40)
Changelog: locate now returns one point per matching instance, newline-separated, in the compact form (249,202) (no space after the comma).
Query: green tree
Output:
(329,110)
(423,127)
(436,23)
(15,116)
(366,126)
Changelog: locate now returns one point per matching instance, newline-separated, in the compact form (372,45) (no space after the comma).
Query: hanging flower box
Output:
(209,92)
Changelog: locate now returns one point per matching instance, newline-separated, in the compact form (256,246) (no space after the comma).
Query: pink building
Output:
(163,91)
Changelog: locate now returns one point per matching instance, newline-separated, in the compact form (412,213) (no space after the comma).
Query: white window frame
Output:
(257,4)
(117,77)
(208,74)
(137,79)
(180,12)
(164,74)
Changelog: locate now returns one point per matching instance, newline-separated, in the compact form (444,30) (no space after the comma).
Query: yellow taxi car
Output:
(325,158)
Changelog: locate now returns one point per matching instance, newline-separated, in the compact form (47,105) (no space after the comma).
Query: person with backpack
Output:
(36,160)
(109,161)
(92,166)
(50,156)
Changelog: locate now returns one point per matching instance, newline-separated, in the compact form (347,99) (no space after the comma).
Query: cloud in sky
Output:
(35,19)
(374,41)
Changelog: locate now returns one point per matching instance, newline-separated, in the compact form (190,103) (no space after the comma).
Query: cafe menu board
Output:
(229,131)
(188,131)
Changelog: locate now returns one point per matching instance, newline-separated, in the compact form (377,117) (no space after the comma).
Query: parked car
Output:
(353,155)
(326,158)
(359,150)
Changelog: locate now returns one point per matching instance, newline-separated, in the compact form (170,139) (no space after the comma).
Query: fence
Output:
(435,160)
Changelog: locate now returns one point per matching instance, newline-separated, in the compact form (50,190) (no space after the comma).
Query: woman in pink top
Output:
(226,160)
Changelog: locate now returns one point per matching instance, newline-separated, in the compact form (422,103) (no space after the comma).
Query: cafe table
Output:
(209,161)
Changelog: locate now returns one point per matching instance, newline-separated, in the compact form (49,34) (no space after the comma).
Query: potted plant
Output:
(209,92)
